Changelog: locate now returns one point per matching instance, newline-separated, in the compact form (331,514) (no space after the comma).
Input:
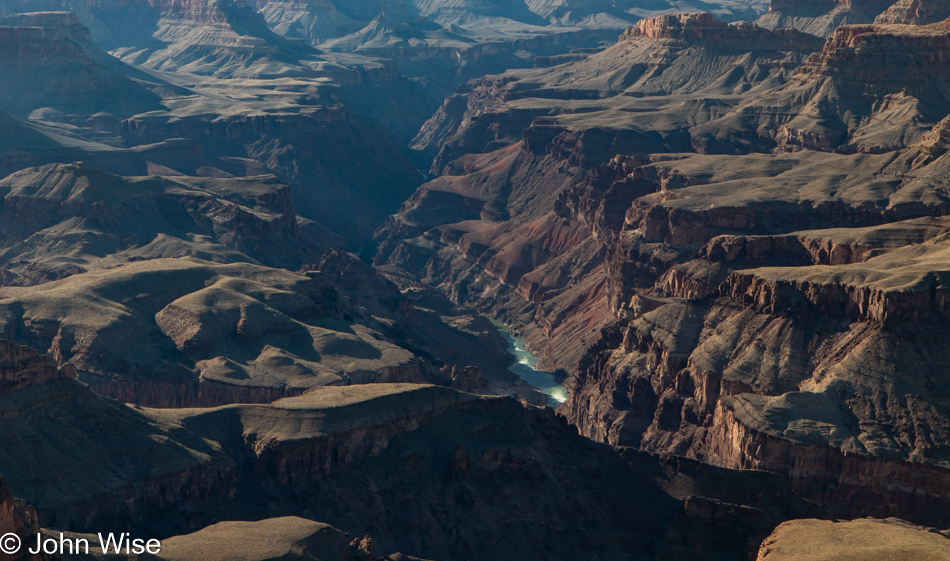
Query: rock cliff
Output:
(496,230)
(52,67)
(875,540)
(681,54)
(289,538)
(822,17)
(59,220)
(165,472)
(323,160)
(16,517)
(754,286)
(21,366)
(915,12)
(793,369)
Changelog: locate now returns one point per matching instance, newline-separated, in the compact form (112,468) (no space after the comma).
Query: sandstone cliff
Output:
(288,538)
(682,54)
(52,67)
(391,449)
(872,88)
(59,220)
(19,519)
(874,540)
(793,369)
(755,285)
(915,12)
(822,17)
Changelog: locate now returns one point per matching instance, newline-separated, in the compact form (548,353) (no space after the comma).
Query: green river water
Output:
(525,367)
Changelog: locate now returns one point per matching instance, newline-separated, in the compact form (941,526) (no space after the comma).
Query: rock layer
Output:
(874,540)
(165,471)
(758,255)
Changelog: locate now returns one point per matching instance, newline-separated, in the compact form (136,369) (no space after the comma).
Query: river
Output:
(524,367)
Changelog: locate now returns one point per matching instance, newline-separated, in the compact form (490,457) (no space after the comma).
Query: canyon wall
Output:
(780,248)
(167,472)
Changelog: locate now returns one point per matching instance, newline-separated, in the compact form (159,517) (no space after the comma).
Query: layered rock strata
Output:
(764,277)
(164,472)
(59,220)
(822,17)
(174,332)
(874,540)
(289,538)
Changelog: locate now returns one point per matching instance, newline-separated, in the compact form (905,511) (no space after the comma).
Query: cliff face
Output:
(822,17)
(915,12)
(503,230)
(22,369)
(21,366)
(66,24)
(873,88)
(522,270)
(52,65)
(679,54)
(706,27)
(324,160)
(19,519)
(793,369)
(51,211)
(886,58)
(763,279)
(392,449)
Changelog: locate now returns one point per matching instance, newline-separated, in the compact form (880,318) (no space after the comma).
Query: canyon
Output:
(738,262)
(445,455)
(254,257)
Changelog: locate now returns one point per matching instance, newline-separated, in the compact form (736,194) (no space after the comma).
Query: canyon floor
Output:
(253,256)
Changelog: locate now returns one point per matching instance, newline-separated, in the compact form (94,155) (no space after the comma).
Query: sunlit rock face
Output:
(757,285)
(822,17)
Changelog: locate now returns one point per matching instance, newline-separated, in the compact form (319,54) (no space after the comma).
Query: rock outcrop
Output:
(166,332)
(289,538)
(52,67)
(763,279)
(874,540)
(822,17)
(60,220)
(17,518)
(21,366)
(885,58)
(694,27)
(391,449)
(915,12)
(873,88)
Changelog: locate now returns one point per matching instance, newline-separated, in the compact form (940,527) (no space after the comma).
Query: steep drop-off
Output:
(752,276)
(360,457)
